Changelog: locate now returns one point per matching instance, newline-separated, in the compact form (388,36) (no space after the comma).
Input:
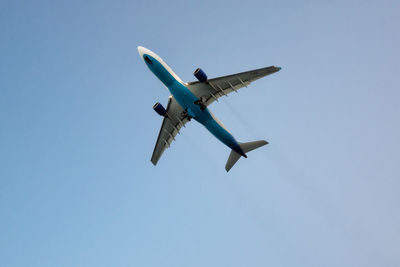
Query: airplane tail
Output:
(246,147)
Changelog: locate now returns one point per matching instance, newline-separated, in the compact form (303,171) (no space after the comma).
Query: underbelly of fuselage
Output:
(186,99)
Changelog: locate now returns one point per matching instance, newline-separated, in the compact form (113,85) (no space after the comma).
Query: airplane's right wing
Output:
(212,89)
(172,123)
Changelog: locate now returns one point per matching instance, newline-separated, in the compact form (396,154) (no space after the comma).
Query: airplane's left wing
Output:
(172,123)
(212,89)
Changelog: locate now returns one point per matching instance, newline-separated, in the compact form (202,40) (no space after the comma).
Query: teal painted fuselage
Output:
(187,99)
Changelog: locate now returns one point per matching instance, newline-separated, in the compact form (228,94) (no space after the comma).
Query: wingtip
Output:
(227,168)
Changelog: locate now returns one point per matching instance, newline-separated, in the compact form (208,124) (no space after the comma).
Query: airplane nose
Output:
(140,50)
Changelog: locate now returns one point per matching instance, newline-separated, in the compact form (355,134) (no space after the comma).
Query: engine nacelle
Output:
(200,75)
(159,109)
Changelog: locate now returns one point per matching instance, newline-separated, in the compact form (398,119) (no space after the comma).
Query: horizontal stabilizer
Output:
(246,147)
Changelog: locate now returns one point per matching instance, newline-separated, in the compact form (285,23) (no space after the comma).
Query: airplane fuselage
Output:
(186,99)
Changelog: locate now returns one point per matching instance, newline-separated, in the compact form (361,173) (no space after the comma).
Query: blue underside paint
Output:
(186,100)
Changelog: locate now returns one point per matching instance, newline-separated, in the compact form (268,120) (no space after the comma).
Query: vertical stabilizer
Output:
(246,147)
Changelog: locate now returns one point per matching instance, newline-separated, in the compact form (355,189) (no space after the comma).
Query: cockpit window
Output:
(148,60)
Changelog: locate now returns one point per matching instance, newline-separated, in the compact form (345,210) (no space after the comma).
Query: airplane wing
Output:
(212,89)
(172,123)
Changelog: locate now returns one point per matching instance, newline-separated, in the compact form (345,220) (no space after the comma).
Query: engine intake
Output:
(200,75)
(159,109)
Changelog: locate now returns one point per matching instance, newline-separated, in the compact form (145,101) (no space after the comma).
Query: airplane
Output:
(191,100)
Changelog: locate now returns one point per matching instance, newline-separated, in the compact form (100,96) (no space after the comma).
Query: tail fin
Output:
(246,147)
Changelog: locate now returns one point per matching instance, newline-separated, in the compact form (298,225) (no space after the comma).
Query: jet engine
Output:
(200,75)
(159,109)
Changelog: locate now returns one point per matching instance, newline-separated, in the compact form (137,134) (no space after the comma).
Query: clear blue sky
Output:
(77,131)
